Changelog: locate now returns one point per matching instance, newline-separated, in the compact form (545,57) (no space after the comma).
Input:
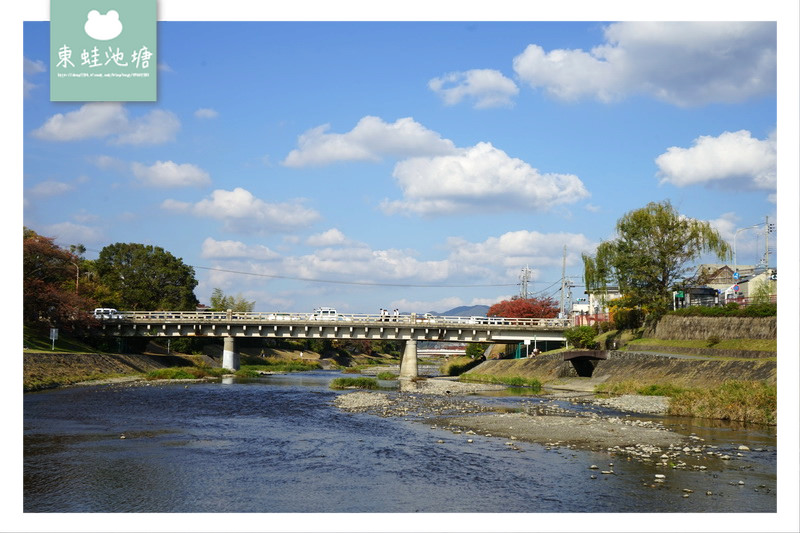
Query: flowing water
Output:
(279,445)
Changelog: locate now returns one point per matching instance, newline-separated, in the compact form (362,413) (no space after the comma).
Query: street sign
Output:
(735,275)
(53,337)
(735,288)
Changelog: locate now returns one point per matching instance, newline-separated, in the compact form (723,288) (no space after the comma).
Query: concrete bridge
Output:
(408,328)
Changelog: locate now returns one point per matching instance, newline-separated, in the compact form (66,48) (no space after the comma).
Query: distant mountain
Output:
(465,310)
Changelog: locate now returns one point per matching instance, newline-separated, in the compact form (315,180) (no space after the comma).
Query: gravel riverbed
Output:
(537,422)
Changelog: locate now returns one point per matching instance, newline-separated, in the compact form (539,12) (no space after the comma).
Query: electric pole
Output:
(524,278)
(563,280)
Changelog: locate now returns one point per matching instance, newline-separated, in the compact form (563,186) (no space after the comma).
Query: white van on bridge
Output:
(324,313)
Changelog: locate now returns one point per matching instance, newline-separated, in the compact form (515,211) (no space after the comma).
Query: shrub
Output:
(581,336)
(731,309)
(386,376)
(713,340)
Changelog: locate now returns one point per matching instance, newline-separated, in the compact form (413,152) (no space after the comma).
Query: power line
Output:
(368,283)
(364,283)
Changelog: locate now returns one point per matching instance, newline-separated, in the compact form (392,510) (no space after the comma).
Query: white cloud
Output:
(206,112)
(240,211)
(66,233)
(515,249)
(734,159)
(331,237)
(50,188)
(485,87)
(98,120)
(363,264)
(370,140)
(30,68)
(683,63)
(170,174)
(214,249)
(481,177)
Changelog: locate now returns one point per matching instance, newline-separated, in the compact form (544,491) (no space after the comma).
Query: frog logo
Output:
(103,27)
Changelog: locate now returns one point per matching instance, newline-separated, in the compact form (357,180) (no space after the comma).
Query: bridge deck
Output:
(309,325)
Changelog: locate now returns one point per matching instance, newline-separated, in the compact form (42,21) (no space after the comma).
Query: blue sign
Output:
(736,275)
(735,288)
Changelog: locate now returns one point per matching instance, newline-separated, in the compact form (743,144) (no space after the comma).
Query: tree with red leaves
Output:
(518,307)
(49,285)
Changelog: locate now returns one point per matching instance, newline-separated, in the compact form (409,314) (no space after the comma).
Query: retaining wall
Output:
(698,327)
(640,367)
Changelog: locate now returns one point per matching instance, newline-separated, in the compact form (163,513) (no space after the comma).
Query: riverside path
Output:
(411,328)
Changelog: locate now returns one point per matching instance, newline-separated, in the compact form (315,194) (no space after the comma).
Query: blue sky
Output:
(428,162)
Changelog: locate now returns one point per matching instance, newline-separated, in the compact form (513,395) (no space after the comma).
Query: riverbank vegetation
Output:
(738,401)
(354,383)
(516,381)
(456,366)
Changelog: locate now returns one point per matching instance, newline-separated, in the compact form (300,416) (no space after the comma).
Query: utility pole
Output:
(524,278)
(563,280)
(768,228)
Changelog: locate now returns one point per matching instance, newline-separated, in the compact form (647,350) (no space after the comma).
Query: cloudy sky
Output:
(410,165)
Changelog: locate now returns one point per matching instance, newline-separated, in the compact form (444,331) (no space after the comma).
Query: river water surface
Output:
(279,445)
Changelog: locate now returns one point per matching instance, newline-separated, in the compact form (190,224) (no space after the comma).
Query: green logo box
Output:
(103,51)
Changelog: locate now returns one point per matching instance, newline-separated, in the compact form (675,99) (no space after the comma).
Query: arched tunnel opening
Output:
(583,366)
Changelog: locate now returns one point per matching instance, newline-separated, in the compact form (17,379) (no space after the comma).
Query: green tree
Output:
(143,277)
(651,254)
(474,350)
(220,302)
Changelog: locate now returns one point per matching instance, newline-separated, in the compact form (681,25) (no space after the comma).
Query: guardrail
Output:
(279,317)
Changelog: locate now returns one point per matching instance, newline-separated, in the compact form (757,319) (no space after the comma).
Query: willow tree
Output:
(651,254)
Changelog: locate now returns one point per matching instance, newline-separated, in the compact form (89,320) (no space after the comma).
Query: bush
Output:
(581,337)
(729,310)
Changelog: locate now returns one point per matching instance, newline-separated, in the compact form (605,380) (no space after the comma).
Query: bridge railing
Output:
(372,319)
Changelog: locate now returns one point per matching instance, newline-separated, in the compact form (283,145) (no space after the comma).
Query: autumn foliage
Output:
(49,285)
(525,308)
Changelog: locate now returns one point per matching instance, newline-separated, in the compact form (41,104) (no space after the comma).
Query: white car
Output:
(325,313)
(105,313)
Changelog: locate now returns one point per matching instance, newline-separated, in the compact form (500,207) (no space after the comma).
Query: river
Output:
(278,445)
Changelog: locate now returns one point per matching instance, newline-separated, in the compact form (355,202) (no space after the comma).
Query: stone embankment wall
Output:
(639,367)
(696,327)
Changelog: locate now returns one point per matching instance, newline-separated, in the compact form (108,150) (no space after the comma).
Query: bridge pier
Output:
(408,365)
(230,357)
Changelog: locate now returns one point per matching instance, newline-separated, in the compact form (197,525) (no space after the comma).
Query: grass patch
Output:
(35,384)
(386,376)
(514,381)
(741,401)
(274,364)
(35,340)
(759,345)
(354,383)
(185,372)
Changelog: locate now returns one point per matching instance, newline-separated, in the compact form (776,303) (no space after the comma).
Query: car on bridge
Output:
(325,313)
(106,313)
